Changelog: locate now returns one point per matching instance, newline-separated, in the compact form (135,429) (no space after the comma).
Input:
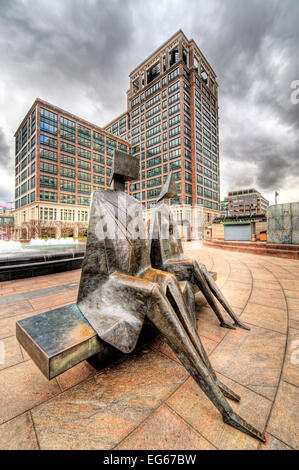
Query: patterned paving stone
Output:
(268,297)
(53,300)
(22,387)
(292,294)
(112,405)
(232,284)
(294,318)
(208,325)
(260,284)
(36,293)
(265,317)
(8,325)
(262,275)
(273,444)
(75,375)
(18,434)
(290,284)
(243,277)
(12,352)
(237,296)
(252,358)
(293,304)
(192,404)
(15,309)
(160,344)
(283,423)
(165,430)
(99,412)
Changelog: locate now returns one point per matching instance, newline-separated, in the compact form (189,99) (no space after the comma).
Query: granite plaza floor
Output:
(147,400)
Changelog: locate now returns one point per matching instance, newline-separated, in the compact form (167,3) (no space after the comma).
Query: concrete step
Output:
(281,251)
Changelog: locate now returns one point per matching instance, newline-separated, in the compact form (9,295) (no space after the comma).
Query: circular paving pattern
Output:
(147,400)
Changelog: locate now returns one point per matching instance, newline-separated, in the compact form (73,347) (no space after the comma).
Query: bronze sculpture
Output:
(167,254)
(119,288)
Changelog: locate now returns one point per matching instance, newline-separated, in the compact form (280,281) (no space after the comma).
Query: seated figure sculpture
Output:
(167,254)
(119,288)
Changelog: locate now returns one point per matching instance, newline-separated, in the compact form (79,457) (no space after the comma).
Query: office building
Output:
(171,124)
(245,202)
(60,159)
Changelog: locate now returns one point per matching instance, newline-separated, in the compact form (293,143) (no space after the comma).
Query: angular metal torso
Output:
(116,243)
(165,243)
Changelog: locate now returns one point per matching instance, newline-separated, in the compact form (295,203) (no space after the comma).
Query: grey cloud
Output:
(256,58)
(78,54)
(82,42)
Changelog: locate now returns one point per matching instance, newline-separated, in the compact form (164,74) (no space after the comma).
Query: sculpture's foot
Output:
(239,423)
(241,325)
(227,325)
(227,392)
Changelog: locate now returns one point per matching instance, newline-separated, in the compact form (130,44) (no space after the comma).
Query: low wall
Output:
(218,231)
(283,223)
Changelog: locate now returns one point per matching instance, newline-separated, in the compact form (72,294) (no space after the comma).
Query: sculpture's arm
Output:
(116,309)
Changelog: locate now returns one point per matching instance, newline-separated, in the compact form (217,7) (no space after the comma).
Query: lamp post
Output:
(276,194)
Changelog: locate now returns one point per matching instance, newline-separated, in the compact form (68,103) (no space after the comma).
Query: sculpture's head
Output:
(169,190)
(164,237)
(125,168)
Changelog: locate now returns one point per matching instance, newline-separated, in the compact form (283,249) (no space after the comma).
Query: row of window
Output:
(64,198)
(83,139)
(26,132)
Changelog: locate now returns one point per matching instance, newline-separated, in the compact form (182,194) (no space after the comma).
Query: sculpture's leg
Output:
(166,320)
(218,294)
(171,289)
(187,291)
(190,270)
(200,280)
(174,297)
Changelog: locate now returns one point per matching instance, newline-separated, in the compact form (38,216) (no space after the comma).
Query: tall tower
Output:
(172,125)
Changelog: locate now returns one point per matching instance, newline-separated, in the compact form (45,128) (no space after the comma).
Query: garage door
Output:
(237,232)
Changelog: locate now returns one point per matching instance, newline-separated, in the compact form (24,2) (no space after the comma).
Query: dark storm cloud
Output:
(255,54)
(70,41)
(78,54)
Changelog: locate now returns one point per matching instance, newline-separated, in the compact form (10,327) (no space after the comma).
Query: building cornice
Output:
(178,33)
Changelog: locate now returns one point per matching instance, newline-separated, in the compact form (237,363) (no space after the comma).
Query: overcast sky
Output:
(77,55)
